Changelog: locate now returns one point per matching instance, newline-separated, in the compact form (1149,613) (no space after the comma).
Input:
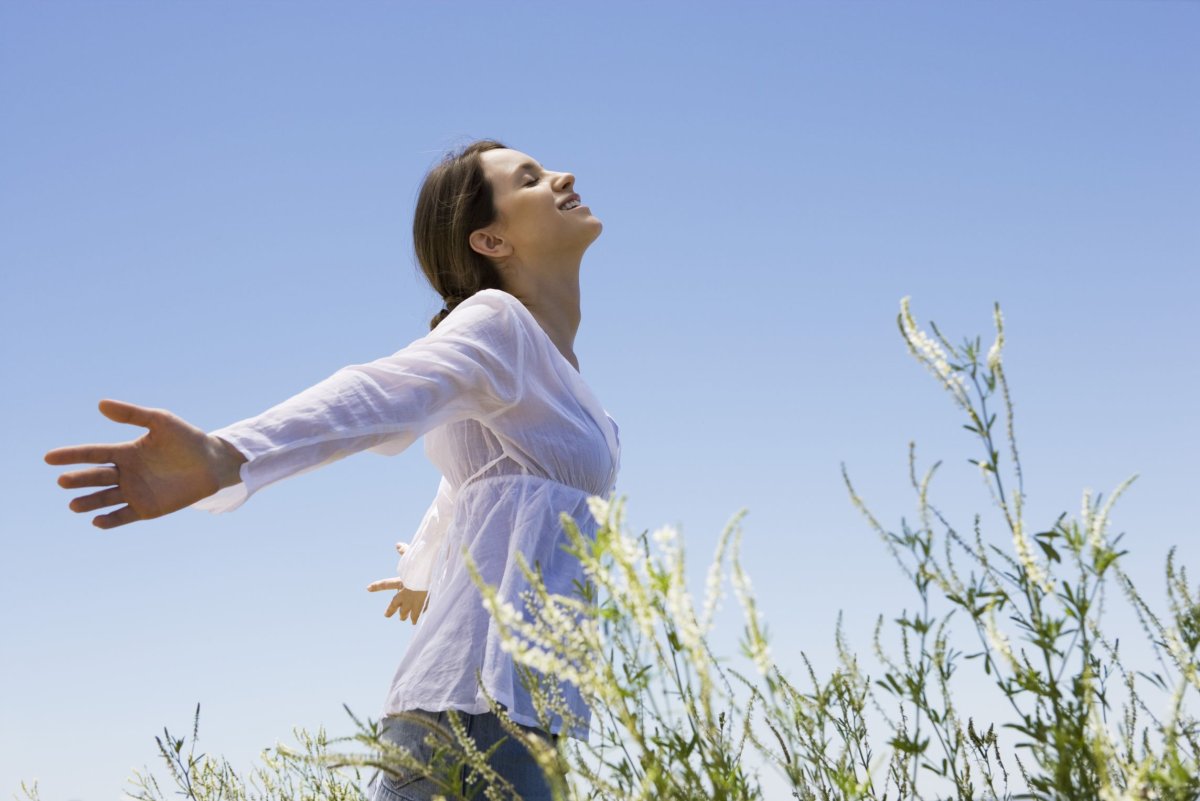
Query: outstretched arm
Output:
(170,467)
(469,367)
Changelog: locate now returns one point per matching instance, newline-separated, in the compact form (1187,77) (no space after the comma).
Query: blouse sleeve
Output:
(470,366)
(417,565)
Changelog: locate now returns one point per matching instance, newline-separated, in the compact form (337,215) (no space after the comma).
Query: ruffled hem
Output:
(479,707)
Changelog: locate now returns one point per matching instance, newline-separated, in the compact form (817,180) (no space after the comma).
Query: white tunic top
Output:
(519,439)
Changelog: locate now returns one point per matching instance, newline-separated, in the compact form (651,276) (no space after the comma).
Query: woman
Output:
(517,434)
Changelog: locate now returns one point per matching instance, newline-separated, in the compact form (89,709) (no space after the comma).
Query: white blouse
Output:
(518,437)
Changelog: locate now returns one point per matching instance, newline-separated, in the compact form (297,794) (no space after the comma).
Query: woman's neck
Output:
(555,305)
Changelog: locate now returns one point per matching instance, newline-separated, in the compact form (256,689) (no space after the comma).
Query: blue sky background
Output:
(207,207)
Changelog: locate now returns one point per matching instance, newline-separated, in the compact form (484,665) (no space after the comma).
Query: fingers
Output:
(92,477)
(97,500)
(75,454)
(409,607)
(412,604)
(118,411)
(118,518)
(121,412)
(385,584)
(409,603)
(401,547)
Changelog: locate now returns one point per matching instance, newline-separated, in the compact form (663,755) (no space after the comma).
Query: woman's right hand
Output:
(409,603)
(168,468)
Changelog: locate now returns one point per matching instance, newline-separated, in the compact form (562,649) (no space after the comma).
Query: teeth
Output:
(570,204)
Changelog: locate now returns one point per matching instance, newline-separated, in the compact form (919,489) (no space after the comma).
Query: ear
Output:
(486,242)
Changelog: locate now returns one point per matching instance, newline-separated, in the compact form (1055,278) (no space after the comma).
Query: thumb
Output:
(121,412)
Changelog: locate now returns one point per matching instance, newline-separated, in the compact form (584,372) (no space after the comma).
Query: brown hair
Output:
(455,199)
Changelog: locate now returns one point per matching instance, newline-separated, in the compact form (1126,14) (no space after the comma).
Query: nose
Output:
(565,180)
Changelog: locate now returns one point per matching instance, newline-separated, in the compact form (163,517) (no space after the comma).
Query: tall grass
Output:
(670,722)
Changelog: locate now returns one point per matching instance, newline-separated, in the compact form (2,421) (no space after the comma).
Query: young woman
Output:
(495,388)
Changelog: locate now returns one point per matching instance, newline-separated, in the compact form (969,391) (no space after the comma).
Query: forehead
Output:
(503,163)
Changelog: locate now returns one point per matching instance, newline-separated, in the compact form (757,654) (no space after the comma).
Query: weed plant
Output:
(670,722)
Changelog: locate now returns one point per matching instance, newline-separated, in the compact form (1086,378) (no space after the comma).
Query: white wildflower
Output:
(1092,524)
(1102,742)
(927,350)
(597,573)
(626,550)
(513,623)
(504,612)
(1176,648)
(712,594)
(599,508)
(682,612)
(762,655)
(759,651)
(741,584)
(993,356)
(999,640)
(684,621)
(644,616)
(666,536)
(713,585)
(546,662)
(1100,523)
(1025,557)
(625,584)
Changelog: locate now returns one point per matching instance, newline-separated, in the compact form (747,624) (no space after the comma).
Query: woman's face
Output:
(532,226)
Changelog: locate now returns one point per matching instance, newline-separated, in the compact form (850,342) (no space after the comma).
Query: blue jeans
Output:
(510,760)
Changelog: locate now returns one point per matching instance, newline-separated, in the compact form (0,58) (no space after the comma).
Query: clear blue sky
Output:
(207,207)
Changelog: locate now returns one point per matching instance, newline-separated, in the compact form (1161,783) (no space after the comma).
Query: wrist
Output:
(227,461)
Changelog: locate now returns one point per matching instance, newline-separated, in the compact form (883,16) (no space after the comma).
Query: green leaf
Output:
(908,746)
(1051,554)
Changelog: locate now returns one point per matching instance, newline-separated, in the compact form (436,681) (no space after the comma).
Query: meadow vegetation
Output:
(672,721)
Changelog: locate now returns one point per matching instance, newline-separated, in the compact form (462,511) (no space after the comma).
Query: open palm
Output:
(170,467)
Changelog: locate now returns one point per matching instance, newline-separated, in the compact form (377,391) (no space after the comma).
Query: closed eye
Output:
(530,169)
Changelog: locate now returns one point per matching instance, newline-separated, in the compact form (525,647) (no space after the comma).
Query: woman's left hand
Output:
(410,603)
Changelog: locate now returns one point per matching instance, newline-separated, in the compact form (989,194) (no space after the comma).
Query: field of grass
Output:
(670,722)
